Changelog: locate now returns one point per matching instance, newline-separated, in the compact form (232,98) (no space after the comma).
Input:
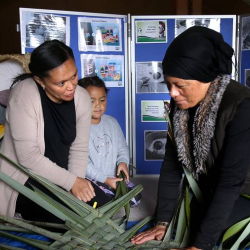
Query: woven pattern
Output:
(85,227)
(94,230)
(23,59)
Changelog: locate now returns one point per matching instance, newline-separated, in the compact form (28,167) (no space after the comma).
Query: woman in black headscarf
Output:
(211,131)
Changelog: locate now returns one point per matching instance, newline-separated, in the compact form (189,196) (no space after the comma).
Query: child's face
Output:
(99,103)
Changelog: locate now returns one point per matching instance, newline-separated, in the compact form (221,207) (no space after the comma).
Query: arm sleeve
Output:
(23,118)
(96,173)
(169,181)
(233,171)
(79,150)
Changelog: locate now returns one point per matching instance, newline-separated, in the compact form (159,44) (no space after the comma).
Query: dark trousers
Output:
(29,210)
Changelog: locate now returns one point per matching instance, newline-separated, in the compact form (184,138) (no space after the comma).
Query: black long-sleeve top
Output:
(226,180)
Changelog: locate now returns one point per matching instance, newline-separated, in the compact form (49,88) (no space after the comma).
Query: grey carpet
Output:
(148,201)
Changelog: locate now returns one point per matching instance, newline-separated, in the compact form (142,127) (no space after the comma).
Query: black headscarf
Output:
(199,54)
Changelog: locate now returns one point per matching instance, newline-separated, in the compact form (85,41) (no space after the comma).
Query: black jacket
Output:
(228,164)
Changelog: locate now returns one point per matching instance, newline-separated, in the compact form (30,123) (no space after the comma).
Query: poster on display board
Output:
(244,50)
(67,30)
(99,34)
(245,41)
(151,31)
(109,68)
(247,77)
(181,24)
(154,144)
(41,27)
(153,111)
(149,78)
(144,82)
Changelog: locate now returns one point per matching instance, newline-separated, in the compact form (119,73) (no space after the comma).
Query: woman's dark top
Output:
(59,128)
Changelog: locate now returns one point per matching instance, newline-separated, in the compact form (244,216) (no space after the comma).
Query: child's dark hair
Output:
(92,81)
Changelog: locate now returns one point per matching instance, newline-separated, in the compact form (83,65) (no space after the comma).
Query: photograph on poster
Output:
(109,68)
(245,37)
(182,24)
(39,28)
(149,78)
(154,31)
(247,77)
(154,144)
(153,111)
(99,34)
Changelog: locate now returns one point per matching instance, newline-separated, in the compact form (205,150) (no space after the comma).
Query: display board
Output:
(99,43)
(151,36)
(244,49)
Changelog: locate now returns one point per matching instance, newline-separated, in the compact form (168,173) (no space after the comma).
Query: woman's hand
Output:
(83,190)
(123,167)
(156,233)
(112,182)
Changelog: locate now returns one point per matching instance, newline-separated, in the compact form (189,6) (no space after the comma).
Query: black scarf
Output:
(198,54)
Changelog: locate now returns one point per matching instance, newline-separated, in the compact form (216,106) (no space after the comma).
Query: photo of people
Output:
(155,142)
(45,27)
(99,34)
(162,28)
(247,77)
(107,67)
(245,33)
(149,78)
(182,24)
(151,31)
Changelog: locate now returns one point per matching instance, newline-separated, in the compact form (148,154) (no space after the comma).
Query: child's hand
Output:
(123,166)
(112,182)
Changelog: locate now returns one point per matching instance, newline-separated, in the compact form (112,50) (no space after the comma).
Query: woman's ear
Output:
(39,81)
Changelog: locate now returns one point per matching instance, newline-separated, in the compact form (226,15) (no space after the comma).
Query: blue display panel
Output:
(149,134)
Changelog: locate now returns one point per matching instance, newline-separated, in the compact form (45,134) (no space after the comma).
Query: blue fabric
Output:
(19,244)
(132,223)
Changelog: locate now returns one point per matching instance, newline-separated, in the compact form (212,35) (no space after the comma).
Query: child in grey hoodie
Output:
(108,150)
